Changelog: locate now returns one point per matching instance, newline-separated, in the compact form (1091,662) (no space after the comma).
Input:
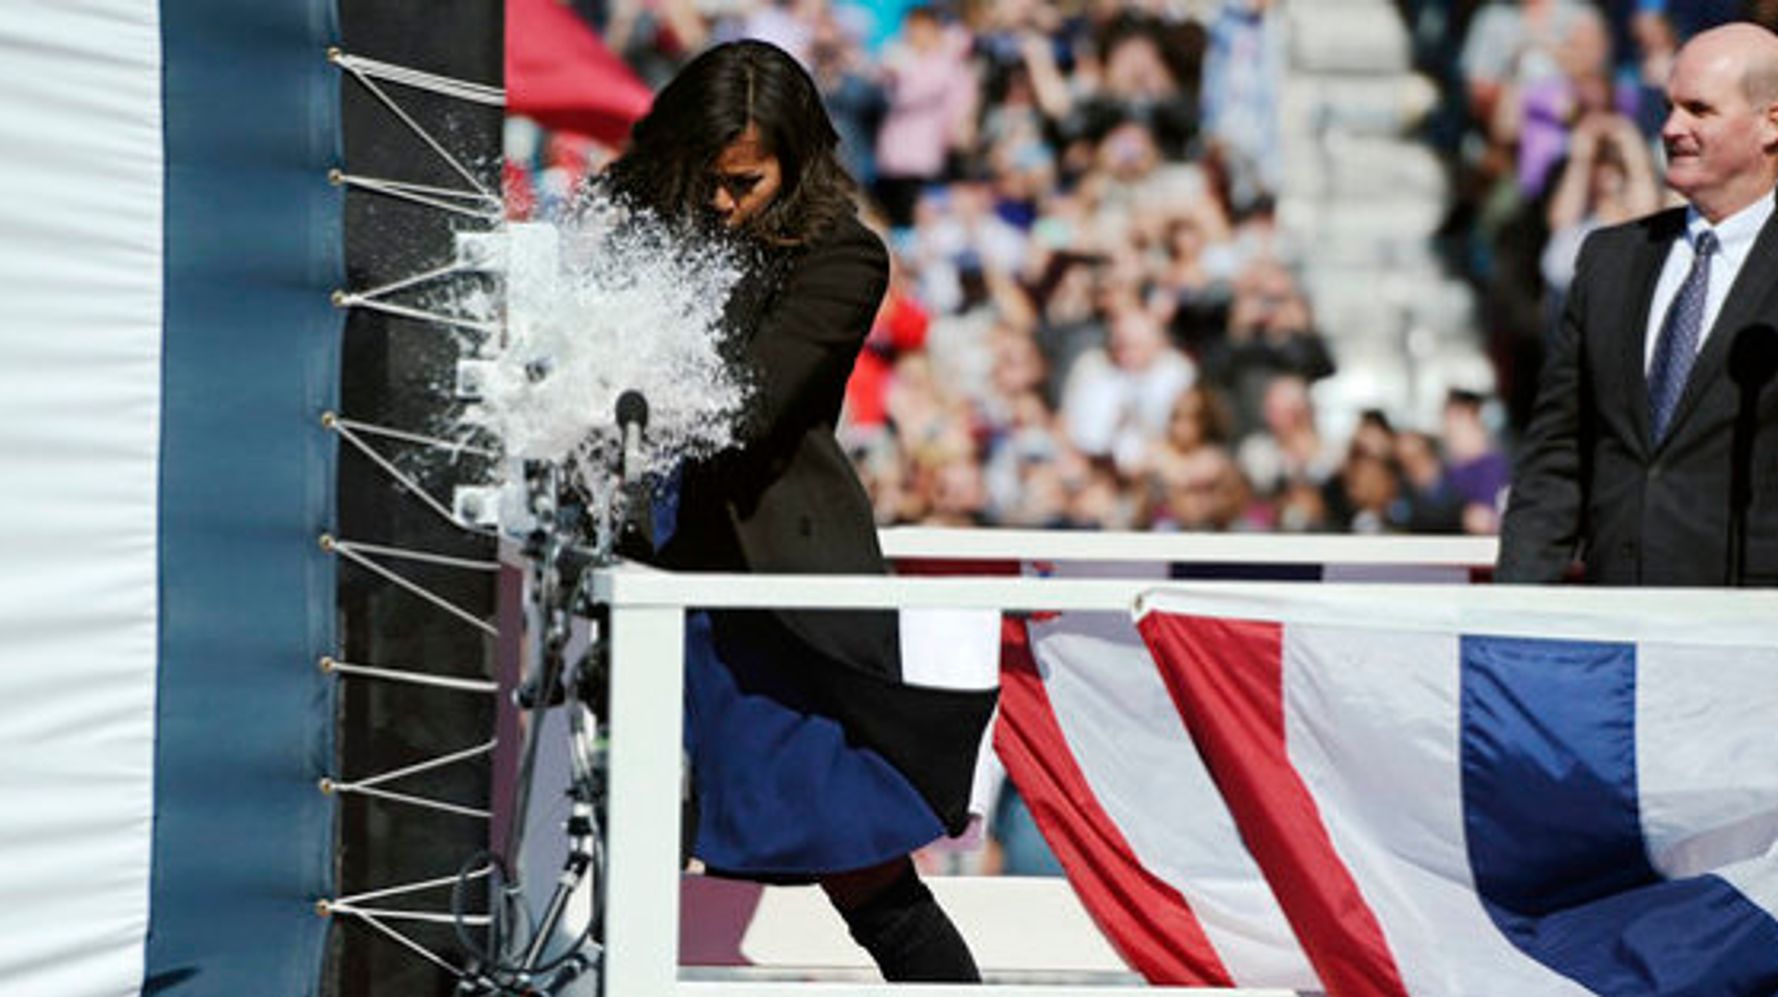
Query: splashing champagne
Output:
(607,302)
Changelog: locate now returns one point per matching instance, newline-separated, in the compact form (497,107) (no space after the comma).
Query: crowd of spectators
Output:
(1551,120)
(1094,319)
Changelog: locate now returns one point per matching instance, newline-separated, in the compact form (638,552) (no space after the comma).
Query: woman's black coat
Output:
(788,501)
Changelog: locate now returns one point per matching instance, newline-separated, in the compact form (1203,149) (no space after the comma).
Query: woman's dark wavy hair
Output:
(667,168)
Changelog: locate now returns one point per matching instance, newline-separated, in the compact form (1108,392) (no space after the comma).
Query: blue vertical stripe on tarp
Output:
(254,245)
(1553,824)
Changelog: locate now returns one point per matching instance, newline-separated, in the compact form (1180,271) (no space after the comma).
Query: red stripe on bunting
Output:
(1227,679)
(1146,920)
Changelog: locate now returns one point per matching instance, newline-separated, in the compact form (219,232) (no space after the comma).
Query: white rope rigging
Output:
(371,429)
(443,193)
(426,766)
(333,666)
(369,786)
(345,550)
(404,888)
(404,283)
(350,906)
(421,916)
(354,299)
(481,204)
(406,554)
(406,942)
(343,428)
(491,210)
(424,802)
(474,93)
(432,197)
(367,71)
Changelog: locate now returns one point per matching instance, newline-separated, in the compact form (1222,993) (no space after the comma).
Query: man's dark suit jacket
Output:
(1590,482)
(789,501)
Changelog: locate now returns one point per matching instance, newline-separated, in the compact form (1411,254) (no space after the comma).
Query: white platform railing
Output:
(924,542)
(647,627)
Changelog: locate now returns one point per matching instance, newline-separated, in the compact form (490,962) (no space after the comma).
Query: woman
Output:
(810,758)
(1609,179)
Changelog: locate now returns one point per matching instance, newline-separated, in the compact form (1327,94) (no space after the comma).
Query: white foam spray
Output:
(603,302)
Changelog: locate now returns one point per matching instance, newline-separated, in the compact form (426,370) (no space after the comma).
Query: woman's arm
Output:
(803,351)
(1568,205)
(1642,189)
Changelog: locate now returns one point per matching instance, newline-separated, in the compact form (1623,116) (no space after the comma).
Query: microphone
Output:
(1753,359)
(632,419)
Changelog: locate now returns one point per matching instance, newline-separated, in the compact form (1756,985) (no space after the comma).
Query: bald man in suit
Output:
(1654,439)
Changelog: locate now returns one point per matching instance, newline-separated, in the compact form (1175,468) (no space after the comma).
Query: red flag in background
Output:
(560,74)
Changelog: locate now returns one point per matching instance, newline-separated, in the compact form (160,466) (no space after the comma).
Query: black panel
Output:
(396,372)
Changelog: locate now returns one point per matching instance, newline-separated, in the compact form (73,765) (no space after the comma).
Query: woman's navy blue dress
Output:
(782,791)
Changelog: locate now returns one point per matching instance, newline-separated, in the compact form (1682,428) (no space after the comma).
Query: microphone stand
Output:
(555,593)
(560,591)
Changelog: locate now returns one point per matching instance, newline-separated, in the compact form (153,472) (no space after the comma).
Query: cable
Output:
(497,875)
